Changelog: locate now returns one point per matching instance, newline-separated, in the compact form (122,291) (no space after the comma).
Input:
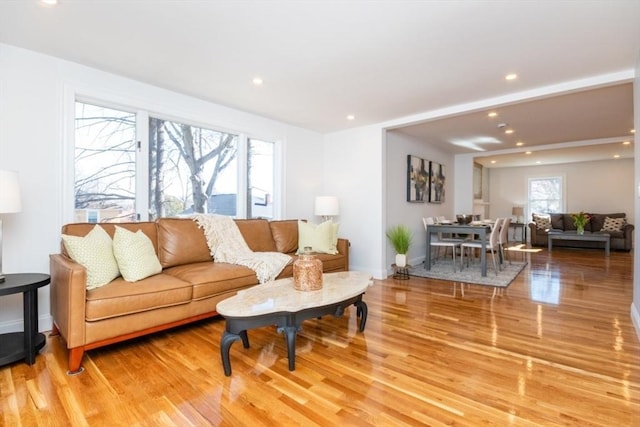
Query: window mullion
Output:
(142,166)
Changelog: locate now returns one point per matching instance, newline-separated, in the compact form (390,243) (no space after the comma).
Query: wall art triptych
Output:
(425,180)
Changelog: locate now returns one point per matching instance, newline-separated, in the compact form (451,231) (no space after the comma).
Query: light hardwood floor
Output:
(557,348)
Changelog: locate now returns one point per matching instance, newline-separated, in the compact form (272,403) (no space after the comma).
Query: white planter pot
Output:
(401,260)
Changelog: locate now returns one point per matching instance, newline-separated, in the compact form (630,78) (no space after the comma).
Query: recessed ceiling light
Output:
(492,114)
(616,156)
(528,152)
(633,131)
(508,131)
(626,143)
(257,81)
(538,162)
(511,76)
(519,143)
(49,2)
(351,117)
(493,161)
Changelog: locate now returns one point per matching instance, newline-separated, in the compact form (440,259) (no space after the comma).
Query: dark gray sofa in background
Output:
(620,240)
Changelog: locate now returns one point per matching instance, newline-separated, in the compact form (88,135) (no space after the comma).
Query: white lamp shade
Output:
(327,206)
(9,192)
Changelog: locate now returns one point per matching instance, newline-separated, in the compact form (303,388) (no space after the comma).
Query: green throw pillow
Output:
(135,255)
(322,238)
(95,253)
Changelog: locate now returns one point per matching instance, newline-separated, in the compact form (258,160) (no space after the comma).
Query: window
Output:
(178,170)
(260,178)
(105,164)
(188,170)
(546,195)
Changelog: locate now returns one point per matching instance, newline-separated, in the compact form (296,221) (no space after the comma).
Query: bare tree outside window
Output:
(545,195)
(105,164)
(186,164)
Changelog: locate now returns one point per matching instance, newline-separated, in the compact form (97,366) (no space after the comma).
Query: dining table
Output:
(481,230)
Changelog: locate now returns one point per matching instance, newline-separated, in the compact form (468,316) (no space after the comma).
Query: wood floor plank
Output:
(556,348)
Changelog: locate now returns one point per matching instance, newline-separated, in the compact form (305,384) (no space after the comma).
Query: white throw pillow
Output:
(135,255)
(543,222)
(322,238)
(95,253)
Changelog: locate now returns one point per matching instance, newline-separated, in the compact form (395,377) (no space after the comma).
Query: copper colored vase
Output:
(307,273)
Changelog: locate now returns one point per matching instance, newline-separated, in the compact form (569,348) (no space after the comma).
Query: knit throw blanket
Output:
(226,244)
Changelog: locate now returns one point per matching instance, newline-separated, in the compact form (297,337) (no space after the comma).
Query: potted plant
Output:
(580,220)
(400,238)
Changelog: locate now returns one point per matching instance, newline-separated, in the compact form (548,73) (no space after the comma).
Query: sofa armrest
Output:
(68,294)
(343,248)
(628,236)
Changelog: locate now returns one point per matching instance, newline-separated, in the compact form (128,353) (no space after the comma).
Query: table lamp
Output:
(326,207)
(518,211)
(9,201)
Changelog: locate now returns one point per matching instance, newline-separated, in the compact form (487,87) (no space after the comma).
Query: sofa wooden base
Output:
(76,354)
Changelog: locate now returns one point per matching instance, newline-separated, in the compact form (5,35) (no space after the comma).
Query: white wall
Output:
(354,172)
(401,212)
(635,306)
(34,93)
(601,187)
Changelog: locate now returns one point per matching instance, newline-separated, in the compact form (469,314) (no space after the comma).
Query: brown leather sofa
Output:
(188,288)
(620,240)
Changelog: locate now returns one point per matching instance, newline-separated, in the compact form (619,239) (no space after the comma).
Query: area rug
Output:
(443,270)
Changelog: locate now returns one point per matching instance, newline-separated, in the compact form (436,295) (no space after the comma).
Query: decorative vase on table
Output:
(307,272)
(580,229)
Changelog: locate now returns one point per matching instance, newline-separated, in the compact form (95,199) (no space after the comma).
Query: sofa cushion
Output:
(597,220)
(135,255)
(543,222)
(181,241)
(557,221)
(213,278)
(257,234)
(95,253)
(613,224)
(120,298)
(285,235)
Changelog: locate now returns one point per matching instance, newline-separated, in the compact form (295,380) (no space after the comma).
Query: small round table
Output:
(23,345)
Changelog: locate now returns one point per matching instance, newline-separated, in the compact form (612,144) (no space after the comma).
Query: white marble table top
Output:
(280,295)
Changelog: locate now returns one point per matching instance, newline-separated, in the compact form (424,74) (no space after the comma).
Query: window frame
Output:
(563,190)
(144,110)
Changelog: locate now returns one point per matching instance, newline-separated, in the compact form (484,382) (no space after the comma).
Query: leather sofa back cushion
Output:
(83,228)
(285,235)
(181,242)
(257,234)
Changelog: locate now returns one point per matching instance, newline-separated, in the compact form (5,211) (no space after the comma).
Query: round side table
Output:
(23,345)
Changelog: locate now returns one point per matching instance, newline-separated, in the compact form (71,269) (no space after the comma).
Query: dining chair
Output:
(439,242)
(504,239)
(491,244)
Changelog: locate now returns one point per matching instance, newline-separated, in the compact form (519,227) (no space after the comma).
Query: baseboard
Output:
(16,325)
(635,319)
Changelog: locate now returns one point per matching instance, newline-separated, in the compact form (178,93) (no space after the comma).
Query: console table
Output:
(25,345)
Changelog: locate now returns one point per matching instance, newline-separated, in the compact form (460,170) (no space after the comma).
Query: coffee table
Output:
(587,236)
(278,303)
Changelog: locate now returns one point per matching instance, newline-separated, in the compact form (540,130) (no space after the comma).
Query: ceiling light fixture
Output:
(519,143)
(257,81)
(508,131)
(49,2)
(351,117)
(493,162)
(538,162)
(616,156)
(511,76)
(626,143)
(528,152)
(492,114)
(633,131)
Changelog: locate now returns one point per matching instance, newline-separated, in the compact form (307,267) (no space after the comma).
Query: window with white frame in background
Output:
(546,195)
(181,169)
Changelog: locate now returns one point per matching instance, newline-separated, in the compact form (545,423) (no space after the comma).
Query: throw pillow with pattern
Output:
(543,222)
(613,224)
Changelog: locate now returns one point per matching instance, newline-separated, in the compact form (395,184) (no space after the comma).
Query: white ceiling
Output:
(378,60)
